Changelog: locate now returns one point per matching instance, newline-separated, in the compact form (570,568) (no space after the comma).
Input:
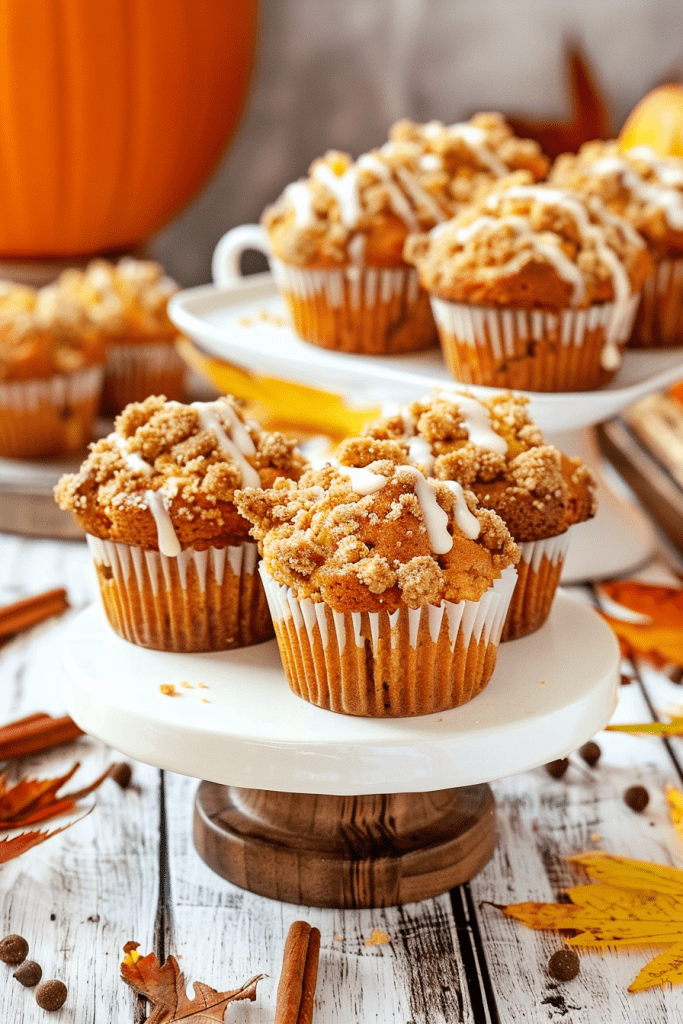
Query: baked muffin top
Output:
(529,246)
(368,531)
(639,185)
(43,333)
(165,479)
(360,212)
(126,300)
(492,447)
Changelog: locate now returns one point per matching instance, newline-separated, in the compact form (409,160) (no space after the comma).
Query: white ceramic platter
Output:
(248,325)
(550,693)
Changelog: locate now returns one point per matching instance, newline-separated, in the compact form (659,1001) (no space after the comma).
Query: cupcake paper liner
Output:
(53,416)
(538,576)
(659,321)
(209,600)
(574,350)
(371,310)
(135,370)
(389,665)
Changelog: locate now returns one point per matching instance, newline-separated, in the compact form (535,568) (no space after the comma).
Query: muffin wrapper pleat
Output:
(135,370)
(389,665)
(574,350)
(210,600)
(538,576)
(659,321)
(371,310)
(53,416)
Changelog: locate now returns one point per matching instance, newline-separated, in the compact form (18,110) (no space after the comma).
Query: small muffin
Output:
(533,287)
(176,568)
(647,190)
(127,302)
(388,591)
(493,448)
(337,237)
(51,367)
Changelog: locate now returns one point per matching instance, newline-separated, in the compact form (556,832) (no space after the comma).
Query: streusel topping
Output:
(492,447)
(360,211)
(165,479)
(369,531)
(639,185)
(533,247)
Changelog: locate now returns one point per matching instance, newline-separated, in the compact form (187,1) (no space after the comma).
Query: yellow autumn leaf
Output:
(672,728)
(674,800)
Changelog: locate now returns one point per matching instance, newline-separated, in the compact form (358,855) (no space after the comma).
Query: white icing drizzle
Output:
(475,139)
(238,445)
(477,422)
(300,196)
(344,188)
(420,450)
(430,162)
(466,520)
(661,196)
(419,195)
(134,462)
(397,199)
(363,480)
(168,541)
(436,519)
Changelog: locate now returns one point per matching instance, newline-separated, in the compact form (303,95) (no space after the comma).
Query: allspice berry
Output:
(637,798)
(564,964)
(557,768)
(121,772)
(50,995)
(29,974)
(590,752)
(13,949)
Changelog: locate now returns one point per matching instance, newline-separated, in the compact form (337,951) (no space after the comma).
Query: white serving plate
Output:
(550,692)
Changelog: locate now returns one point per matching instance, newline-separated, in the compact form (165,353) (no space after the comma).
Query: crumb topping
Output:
(639,185)
(537,490)
(534,247)
(361,211)
(170,470)
(368,531)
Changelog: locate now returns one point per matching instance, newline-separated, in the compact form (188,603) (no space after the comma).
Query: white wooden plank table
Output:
(129,872)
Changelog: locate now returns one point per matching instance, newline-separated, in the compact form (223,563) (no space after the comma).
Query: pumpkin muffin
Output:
(388,590)
(176,567)
(127,301)
(534,287)
(493,448)
(647,190)
(337,237)
(51,366)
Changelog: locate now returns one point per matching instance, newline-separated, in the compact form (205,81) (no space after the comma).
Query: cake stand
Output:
(244,327)
(321,809)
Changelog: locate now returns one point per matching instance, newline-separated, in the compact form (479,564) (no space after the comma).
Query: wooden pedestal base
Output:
(345,851)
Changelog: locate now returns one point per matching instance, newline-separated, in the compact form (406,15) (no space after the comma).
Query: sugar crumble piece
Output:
(595,837)
(202,686)
(205,700)
(168,689)
(378,938)
(186,686)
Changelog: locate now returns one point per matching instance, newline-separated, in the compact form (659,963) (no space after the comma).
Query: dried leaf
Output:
(164,986)
(672,728)
(11,848)
(635,903)
(659,640)
(674,799)
(34,800)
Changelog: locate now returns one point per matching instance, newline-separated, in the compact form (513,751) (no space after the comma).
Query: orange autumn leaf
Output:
(34,800)
(14,847)
(164,986)
(658,640)
(635,903)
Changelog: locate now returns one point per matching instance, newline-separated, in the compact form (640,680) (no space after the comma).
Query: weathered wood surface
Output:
(129,871)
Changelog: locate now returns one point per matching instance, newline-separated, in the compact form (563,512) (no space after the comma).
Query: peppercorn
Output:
(29,974)
(590,752)
(50,995)
(564,964)
(557,768)
(637,798)
(13,949)
(121,772)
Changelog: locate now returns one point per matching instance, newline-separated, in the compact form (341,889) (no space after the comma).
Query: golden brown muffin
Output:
(381,563)
(158,495)
(493,447)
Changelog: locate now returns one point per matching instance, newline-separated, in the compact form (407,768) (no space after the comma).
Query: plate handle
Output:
(225,264)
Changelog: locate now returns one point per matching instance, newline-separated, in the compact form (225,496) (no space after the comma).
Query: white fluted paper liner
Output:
(135,370)
(357,308)
(381,664)
(538,576)
(63,389)
(659,322)
(575,349)
(206,600)
(53,416)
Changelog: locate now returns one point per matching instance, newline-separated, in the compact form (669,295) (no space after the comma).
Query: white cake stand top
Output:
(550,693)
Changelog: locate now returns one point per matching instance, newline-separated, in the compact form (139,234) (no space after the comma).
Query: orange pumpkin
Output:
(112,115)
(657,121)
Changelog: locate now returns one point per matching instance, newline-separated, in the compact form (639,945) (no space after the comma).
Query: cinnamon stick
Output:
(296,989)
(29,736)
(31,610)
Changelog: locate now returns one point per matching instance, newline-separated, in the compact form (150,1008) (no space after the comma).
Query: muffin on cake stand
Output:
(322,809)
